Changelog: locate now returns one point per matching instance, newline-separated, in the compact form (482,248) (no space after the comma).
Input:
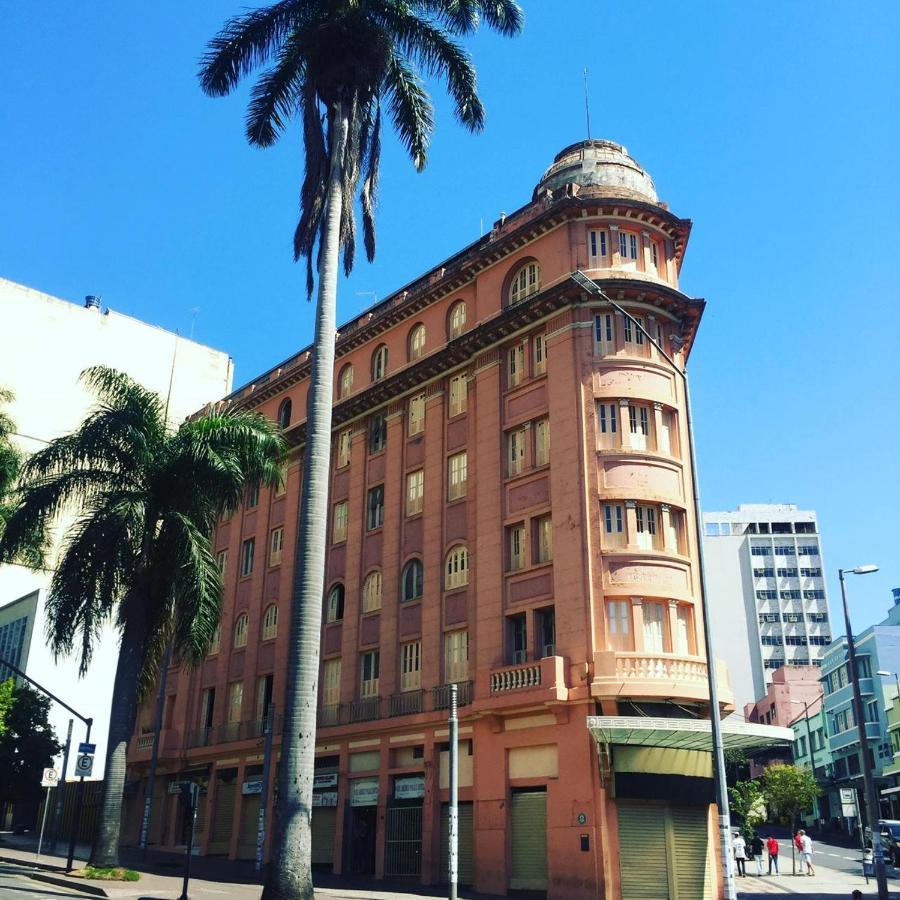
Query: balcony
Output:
(542,676)
(652,675)
(407,703)
(230,732)
(850,736)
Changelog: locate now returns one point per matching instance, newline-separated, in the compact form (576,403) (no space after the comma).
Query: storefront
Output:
(361,828)
(403,827)
(324,818)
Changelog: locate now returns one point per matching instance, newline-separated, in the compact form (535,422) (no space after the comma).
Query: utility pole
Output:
(60,791)
(452,833)
(264,796)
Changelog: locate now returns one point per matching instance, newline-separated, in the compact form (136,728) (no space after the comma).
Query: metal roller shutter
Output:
(528,823)
(249,827)
(643,866)
(465,867)
(223,816)
(693,878)
(324,826)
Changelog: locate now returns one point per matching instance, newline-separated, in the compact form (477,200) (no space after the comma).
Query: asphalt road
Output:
(16,885)
(830,856)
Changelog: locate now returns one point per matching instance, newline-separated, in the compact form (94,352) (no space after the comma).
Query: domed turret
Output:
(601,168)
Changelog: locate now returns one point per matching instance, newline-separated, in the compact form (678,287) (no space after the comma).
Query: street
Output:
(15,883)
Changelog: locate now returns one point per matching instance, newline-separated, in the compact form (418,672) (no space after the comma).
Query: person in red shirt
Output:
(772,847)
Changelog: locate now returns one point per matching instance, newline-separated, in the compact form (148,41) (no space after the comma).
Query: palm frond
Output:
(410,108)
(246,42)
(275,95)
(312,193)
(369,194)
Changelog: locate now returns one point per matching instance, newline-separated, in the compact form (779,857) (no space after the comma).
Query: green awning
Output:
(685,734)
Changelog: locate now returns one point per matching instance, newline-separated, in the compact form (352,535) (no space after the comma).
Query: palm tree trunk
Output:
(123,712)
(289,874)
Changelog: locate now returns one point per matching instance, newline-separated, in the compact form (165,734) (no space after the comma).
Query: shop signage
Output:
(325,781)
(252,787)
(324,798)
(410,788)
(848,803)
(364,792)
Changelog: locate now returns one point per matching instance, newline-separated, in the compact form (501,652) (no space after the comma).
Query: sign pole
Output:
(264,796)
(57,813)
(43,821)
(193,795)
(453,836)
(79,800)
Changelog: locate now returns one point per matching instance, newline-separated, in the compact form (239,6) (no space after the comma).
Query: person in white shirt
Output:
(739,845)
(806,852)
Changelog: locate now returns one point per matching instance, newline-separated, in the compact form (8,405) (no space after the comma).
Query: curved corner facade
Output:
(511,512)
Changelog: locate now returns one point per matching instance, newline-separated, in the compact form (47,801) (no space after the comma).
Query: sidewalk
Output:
(826,884)
(161,876)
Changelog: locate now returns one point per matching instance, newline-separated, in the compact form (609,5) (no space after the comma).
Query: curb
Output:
(70,883)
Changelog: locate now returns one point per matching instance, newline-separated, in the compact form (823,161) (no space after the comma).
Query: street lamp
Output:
(718,749)
(868,779)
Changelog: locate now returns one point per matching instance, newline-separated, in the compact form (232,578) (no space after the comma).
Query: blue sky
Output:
(775,128)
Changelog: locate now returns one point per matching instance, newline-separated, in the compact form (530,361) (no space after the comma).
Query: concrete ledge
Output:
(73,884)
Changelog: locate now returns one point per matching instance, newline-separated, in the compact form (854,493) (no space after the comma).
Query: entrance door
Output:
(465,864)
(642,850)
(223,814)
(324,825)
(403,840)
(363,822)
(249,827)
(528,827)
(690,844)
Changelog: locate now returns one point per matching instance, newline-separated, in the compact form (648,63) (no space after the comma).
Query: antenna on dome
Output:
(587,106)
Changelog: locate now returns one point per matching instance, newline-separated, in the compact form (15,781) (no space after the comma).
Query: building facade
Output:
(50,343)
(810,749)
(511,513)
(877,658)
(769,601)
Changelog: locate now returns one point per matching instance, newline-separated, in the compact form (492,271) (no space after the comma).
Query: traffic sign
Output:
(50,778)
(87,748)
(84,764)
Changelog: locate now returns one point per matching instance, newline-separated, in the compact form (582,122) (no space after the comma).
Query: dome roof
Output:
(599,168)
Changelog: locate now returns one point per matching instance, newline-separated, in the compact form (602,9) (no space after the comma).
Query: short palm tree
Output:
(335,62)
(145,499)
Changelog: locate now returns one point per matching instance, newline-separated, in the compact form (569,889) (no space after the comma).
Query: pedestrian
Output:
(798,841)
(756,848)
(740,853)
(856,895)
(772,847)
(806,852)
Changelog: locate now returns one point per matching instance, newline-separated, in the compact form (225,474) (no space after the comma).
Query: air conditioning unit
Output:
(548,650)
(519,656)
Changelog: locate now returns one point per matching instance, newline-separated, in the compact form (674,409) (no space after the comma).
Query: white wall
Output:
(47,343)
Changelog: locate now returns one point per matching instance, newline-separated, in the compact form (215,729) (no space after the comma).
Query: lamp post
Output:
(718,747)
(868,779)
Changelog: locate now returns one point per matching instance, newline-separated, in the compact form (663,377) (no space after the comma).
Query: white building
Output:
(767,594)
(47,343)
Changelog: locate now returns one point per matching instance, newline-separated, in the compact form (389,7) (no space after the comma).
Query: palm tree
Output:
(336,61)
(145,500)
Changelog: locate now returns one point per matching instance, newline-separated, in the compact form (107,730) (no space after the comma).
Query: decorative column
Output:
(670,534)
(631,524)
(645,250)
(624,425)
(673,628)
(657,420)
(614,255)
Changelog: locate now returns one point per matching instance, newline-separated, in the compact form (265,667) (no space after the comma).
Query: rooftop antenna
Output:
(194,311)
(587,107)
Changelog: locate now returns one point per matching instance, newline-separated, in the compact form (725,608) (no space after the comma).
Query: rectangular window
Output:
(515,451)
(760,551)
(808,550)
(235,701)
(787,573)
(811,573)
(618,619)
(415,492)
(263,696)
(764,573)
(459,394)
(368,683)
(207,707)
(416,423)
(281,487)
(251,498)
(377,433)
(632,246)
(343,448)
(675,531)
(276,545)
(613,525)
(608,424)
(540,354)
(631,332)
(247,550)
(543,539)
(781,550)
(411,666)
(639,426)
(597,242)
(542,442)
(646,527)
(371,601)
(817,594)
(222,562)
(517,639)
(668,436)
(339,522)
(654,627)
(375,508)
(789,595)
(515,542)
(683,630)
(331,682)
(604,334)
(767,595)
(515,365)
(654,255)
(456,656)
(457,476)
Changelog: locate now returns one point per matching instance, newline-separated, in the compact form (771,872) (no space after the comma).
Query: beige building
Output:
(47,343)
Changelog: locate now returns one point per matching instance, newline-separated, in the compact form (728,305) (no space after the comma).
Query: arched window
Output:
(456,572)
(214,643)
(526,281)
(345,381)
(334,608)
(457,319)
(413,580)
(284,412)
(416,342)
(372,592)
(270,622)
(240,630)
(379,363)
